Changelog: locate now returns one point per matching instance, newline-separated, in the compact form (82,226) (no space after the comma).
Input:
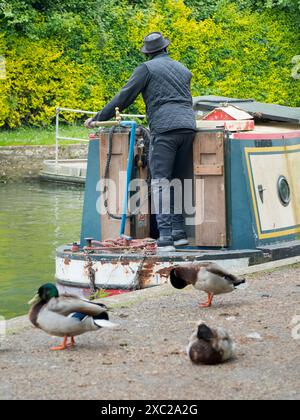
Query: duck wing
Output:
(188,272)
(219,271)
(68,304)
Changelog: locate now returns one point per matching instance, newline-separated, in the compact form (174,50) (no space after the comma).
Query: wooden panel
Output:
(117,173)
(141,225)
(209,170)
(209,180)
(208,147)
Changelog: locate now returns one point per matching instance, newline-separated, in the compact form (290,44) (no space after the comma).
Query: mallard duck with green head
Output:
(65,315)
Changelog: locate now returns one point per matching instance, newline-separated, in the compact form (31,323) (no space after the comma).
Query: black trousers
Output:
(171,156)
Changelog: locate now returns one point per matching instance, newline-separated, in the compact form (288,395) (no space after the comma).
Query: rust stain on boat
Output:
(165,272)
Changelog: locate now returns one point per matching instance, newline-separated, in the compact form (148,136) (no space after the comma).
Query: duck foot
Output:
(64,345)
(209,302)
(72,342)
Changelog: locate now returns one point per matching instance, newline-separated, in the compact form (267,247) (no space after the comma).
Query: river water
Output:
(35,218)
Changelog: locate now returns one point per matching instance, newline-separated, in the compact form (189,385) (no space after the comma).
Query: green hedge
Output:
(79,53)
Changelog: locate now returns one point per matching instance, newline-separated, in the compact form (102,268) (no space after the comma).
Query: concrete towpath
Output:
(144,358)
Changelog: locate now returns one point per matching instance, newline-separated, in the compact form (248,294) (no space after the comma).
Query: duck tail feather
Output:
(238,282)
(103,323)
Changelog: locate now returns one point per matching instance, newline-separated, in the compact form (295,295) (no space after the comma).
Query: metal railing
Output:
(79,111)
(58,137)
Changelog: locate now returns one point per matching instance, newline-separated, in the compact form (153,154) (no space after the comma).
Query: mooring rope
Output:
(148,245)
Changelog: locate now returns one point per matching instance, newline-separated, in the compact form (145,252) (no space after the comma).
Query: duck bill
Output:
(34,300)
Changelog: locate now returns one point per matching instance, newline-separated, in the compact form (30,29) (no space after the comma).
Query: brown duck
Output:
(210,346)
(207,277)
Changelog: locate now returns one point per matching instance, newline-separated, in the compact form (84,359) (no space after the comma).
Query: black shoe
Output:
(180,238)
(166,244)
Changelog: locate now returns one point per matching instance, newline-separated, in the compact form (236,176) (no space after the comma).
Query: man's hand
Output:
(88,122)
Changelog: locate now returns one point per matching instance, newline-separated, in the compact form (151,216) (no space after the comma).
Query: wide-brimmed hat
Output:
(154,42)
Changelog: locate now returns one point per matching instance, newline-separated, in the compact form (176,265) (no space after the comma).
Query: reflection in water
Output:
(35,218)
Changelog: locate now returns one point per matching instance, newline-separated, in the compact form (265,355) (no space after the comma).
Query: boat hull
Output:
(130,271)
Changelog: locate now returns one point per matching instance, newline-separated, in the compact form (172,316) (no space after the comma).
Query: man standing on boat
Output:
(165,86)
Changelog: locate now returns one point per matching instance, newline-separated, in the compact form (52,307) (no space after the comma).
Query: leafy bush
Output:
(41,78)
(79,53)
(235,53)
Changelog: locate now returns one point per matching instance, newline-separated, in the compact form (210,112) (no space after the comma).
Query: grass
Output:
(30,136)
(297,265)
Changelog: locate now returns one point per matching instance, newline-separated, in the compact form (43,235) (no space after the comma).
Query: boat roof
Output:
(259,110)
(232,111)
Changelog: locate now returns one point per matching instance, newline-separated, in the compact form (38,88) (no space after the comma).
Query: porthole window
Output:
(284,191)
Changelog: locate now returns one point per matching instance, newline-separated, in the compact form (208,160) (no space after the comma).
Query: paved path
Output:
(144,357)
